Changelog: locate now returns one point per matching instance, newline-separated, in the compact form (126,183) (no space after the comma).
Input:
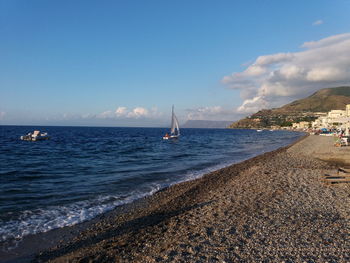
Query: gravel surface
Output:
(272,208)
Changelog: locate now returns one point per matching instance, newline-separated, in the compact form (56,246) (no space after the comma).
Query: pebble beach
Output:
(271,208)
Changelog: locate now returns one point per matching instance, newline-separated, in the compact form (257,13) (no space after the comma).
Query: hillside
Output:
(321,101)
(306,109)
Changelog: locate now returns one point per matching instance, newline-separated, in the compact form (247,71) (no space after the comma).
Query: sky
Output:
(125,63)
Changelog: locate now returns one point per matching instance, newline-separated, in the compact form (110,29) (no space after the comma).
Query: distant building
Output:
(301,125)
(347,110)
(334,114)
(320,114)
(334,119)
(321,122)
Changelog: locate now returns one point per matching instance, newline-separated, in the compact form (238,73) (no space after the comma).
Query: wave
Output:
(92,171)
(36,221)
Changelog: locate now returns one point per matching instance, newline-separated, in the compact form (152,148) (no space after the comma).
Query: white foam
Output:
(43,220)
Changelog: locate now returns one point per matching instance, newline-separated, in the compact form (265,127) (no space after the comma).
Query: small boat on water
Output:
(259,130)
(35,136)
(174,130)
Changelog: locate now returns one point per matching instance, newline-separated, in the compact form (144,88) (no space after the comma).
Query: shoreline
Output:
(25,250)
(152,212)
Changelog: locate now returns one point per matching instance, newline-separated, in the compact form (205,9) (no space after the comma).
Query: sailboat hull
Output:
(171,137)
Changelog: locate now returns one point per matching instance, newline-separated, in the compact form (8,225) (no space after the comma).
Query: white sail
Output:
(174,124)
(177,125)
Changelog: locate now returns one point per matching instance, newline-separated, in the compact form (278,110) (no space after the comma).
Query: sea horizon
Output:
(107,167)
(104,126)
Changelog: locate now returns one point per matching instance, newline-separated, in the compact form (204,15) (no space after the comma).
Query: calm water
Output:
(82,172)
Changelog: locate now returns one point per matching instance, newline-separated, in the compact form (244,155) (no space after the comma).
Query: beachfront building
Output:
(335,114)
(320,114)
(347,110)
(301,125)
(347,129)
(319,123)
(333,119)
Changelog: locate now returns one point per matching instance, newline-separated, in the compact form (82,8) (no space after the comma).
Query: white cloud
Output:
(317,23)
(327,41)
(88,116)
(125,113)
(138,113)
(106,114)
(67,116)
(326,74)
(252,105)
(275,79)
(255,70)
(211,113)
(275,58)
(2,115)
(121,112)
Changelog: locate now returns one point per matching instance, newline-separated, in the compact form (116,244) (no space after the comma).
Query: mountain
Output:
(323,100)
(306,109)
(206,124)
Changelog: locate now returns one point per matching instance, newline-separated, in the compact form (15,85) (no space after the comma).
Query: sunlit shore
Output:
(273,206)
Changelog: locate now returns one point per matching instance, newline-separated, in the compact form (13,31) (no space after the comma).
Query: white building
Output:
(335,114)
(334,119)
(347,110)
(321,122)
(300,125)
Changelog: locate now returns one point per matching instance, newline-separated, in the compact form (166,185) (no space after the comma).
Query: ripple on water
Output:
(82,172)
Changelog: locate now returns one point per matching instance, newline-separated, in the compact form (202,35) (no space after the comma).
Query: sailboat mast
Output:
(172,121)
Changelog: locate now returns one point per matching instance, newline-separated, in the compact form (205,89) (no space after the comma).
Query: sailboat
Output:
(175,130)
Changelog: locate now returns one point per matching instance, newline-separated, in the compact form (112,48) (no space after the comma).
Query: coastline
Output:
(214,216)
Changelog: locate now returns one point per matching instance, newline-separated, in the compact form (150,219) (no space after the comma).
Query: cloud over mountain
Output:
(275,79)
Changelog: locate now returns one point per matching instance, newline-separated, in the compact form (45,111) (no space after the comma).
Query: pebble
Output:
(278,211)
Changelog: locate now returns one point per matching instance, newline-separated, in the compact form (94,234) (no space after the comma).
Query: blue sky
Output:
(124,63)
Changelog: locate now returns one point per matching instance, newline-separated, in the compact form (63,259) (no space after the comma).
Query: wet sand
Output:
(270,208)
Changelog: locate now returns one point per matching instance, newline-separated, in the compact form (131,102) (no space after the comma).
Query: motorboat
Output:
(35,136)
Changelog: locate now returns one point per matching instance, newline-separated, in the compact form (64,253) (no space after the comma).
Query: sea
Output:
(82,172)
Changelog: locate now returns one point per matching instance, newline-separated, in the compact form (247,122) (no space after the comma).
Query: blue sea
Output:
(82,172)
